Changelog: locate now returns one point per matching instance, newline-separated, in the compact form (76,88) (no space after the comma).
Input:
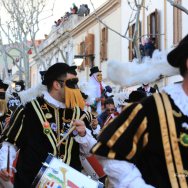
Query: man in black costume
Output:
(153,134)
(37,127)
(3,105)
(15,100)
(147,89)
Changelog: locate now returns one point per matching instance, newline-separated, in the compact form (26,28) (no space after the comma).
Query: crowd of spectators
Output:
(82,11)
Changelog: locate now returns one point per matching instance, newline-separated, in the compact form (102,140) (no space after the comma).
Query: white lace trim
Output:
(53,101)
(180,98)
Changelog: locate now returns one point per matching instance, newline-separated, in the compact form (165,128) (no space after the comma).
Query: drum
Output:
(92,167)
(56,174)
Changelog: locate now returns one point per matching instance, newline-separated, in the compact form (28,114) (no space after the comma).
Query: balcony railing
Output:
(57,31)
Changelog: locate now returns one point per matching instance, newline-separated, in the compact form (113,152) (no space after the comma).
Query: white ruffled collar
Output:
(53,101)
(180,98)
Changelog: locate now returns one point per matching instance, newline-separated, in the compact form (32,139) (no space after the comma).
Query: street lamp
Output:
(78,60)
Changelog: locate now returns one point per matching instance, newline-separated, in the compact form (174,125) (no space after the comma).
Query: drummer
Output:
(37,128)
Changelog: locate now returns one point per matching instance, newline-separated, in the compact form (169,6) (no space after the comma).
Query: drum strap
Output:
(43,119)
(68,148)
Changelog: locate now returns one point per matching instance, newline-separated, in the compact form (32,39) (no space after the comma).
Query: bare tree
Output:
(178,5)
(136,7)
(3,52)
(22,24)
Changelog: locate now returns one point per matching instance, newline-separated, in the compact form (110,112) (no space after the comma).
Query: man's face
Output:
(110,108)
(145,86)
(18,88)
(60,87)
(2,90)
(99,77)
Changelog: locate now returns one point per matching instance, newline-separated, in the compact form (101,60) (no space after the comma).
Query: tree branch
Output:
(179,6)
(113,30)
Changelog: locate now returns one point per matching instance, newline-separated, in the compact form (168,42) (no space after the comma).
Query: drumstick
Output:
(70,131)
(8,160)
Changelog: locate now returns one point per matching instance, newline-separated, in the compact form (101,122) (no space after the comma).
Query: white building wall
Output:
(169,26)
(184,19)
(114,43)
(118,19)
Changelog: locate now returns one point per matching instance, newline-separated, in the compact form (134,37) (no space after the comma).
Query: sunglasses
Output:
(110,110)
(70,83)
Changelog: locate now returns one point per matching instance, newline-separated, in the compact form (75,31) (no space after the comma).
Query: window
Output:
(82,52)
(177,24)
(103,45)
(131,45)
(153,28)
(89,49)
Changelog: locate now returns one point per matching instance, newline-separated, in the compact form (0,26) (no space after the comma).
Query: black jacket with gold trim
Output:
(36,140)
(152,136)
(2,123)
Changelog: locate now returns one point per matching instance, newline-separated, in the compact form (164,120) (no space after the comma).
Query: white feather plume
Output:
(32,93)
(133,73)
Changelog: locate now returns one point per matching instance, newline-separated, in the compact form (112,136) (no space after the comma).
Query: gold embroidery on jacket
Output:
(145,139)
(111,154)
(166,141)
(136,138)
(124,126)
(96,147)
(174,141)
(177,114)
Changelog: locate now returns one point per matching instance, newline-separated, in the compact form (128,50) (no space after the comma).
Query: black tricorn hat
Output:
(178,54)
(136,96)
(54,72)
(42,73)
(3,85)
(94,70)
(72,70)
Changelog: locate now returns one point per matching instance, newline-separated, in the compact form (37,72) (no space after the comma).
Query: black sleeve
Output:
(15,132)
(125,137)
(87,119)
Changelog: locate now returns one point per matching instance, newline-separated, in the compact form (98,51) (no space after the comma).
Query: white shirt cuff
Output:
(4,153)
(122,174)
(86,142)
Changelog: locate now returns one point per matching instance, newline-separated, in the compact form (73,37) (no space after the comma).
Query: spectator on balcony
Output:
(83,10)
(74,10)
(149,47)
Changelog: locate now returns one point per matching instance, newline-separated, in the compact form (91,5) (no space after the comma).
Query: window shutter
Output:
(140,31)
(105,35)
(149,25)
(130,44)
(81,50)
(157,30)
(103,45)
(89,48)
(89,41)
(177,24)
